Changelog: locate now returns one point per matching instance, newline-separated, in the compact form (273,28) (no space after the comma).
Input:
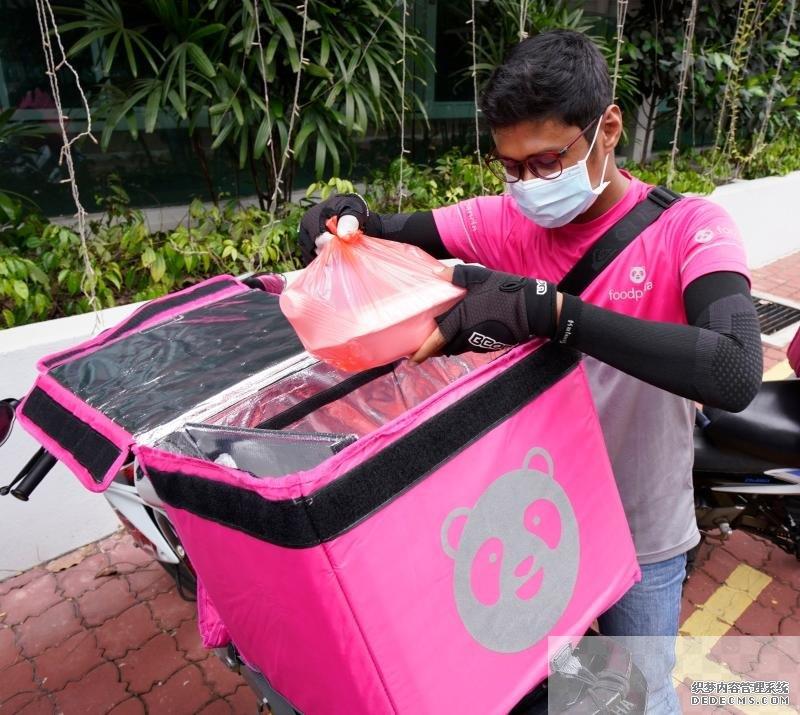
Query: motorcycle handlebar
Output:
(41,464)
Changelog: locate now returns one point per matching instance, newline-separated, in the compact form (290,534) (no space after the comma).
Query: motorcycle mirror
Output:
(6,418)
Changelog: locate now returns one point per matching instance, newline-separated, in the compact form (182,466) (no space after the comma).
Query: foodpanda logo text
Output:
(638,276)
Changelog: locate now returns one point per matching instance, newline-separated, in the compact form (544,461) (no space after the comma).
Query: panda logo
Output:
(638,274)
(704,235)
(516,559)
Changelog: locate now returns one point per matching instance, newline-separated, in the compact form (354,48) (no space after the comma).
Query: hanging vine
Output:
(294,113)
(523,17)
(686,61)
(265,89)
(400,187)
(750,21)
(762,131)
(475,90)
(622,11)
(55,59)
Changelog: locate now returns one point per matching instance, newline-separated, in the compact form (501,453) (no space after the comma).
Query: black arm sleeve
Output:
(418,229)
(716,359)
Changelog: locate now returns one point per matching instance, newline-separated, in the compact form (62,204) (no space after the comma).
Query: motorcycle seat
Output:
(768,428)
(713,460)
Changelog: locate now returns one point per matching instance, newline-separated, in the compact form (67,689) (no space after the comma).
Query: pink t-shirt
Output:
(648,431)
(647,280)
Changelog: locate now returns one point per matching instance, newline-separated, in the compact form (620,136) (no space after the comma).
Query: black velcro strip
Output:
(606,248)
(341,505)
(148,311)
(92,450)
(306,407)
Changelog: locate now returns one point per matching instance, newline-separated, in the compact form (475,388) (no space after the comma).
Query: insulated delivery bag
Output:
(400,540)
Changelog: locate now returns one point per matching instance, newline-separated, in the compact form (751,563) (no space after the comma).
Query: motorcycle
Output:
(747,468)
(746,476)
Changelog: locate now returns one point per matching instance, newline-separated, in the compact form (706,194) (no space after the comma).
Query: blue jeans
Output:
(651,607)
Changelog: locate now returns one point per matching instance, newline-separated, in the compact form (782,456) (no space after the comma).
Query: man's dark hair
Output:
(559,75)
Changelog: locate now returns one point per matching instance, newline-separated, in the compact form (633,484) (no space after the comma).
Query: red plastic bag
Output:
(365,302)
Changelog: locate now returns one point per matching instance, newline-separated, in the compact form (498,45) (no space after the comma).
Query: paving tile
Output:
(789,626)
(32,599)
(111,540)
(221,679)
(184,692)
(82,577)
(17,679)
(785,568)
(155,661)
(220,707)
(720,565)
(699,587)
(148,582)
(170,610)
(9,651)
(97,692)
(758,620)
(243,700)
(127,631)
(779,597)
(42,705)
(738,653)
(772,664)
(19,580)
(107,601)
(20,701)
(126,555)
(131,706)
(68,661)
(51,628)
(748,549)
(188,639)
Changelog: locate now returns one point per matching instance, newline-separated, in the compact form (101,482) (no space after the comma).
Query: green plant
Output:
(498,29)
(206,62)
(24,286)
(778,157)
(453,177)
(41,271)
(11,131)
(734,65)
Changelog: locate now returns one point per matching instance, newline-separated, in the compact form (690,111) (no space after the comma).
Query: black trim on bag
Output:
(325,397)
(146,312)
(344,503)
(94,452)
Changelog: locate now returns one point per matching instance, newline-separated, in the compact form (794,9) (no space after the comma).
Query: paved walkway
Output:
(103,630)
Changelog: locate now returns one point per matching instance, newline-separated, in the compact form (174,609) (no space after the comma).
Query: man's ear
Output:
(611,129)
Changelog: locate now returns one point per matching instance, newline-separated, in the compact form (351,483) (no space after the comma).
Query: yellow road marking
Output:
(709,623)
(779,372)
(727,603)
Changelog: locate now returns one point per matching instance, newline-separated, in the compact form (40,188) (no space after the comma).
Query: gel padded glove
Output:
(312,225)
(499,310)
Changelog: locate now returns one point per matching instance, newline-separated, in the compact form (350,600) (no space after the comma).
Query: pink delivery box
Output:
(422,568)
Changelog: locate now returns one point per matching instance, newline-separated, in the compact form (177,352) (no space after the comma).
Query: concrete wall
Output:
(766,212)
(62,515)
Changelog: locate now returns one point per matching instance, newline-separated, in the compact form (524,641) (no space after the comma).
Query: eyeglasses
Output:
(545,165)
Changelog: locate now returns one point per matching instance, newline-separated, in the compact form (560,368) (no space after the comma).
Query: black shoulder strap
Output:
(606,248)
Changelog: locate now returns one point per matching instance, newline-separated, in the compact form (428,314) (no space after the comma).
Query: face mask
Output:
(555,202)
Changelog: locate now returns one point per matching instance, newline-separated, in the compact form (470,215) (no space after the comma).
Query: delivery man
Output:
(669,322)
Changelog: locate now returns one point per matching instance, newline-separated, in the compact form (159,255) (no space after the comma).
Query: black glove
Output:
(313,222)
(499,310)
